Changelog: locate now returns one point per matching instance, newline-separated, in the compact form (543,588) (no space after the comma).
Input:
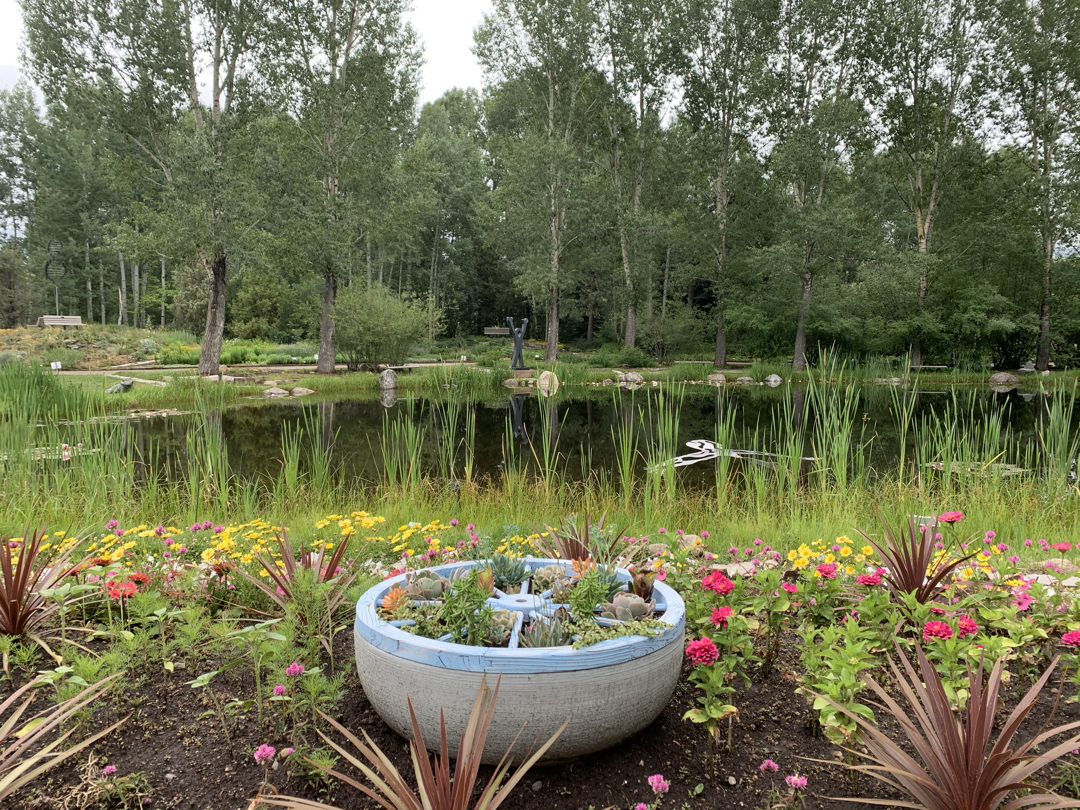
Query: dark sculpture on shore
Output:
(519,336)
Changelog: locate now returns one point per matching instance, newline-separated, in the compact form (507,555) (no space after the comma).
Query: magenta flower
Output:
(868,579)
(717,582)
(951,517)
(108,770)
(658,785)
(264,753)
(795,781)
(702,651)
(826,570)
(207,524)
(1062,546)
(294,669)
(704,535)
(1013,559)
(661,530)
(1028,542)
(159,530)
(279,690)
(219,529)
(720,616)
(966,626)
(641,806)
(453,521)
(934,629)
(790,587)
(768,765)
(119,532)
(1071,639)
(112,524)
(196,527)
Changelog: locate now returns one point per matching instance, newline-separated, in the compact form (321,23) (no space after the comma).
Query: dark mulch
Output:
(182,751)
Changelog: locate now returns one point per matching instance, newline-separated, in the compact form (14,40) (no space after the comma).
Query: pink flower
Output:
(108,770)
(453,521)
(966,626)
(112,524)
(951,517)
(264,753)
(661,530)
(207,524)
(990,535)
(720,616)
(159,530)
(1013,559)
(1062,546)
(658,785)
(702,651)
(279,690)
(1027,542)
(469,527)
(1022,600)
(641,806)
(219,529)
(869,579)
(1071,639)
(119,532)
(934,629)
(768,765)
(718,583)
(826,570)
(294,669)
(795,781)
(704,535)
(790,587)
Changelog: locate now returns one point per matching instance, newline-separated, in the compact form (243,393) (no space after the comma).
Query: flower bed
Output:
(612,689)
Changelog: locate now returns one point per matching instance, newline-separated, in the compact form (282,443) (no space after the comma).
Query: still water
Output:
(582,423)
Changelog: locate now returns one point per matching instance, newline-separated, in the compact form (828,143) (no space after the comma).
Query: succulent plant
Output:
(544,631)
(627,607)
(394,600)
(508,571)
(502,625)
(607,576)
(642,582)
(426,585)
(547,576)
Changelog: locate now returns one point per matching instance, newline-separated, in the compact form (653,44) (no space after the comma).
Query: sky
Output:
(444,26)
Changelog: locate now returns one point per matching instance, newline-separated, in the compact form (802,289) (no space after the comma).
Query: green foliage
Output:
(374,326)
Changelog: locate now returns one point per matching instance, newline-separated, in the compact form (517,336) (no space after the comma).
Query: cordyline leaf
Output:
(25,754)
(907,557)
(437,789)
(959,767)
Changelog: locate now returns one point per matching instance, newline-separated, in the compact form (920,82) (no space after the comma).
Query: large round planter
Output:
(610,690)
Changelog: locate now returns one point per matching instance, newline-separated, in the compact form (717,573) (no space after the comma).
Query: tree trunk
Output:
(162,292)
(1042,359)
(589,325)
(798,362)
(101,289)
(552,348)
(631,314)
(326,329)
(720,355)
(210,357)
(123,319)
(136,290)
(89,301)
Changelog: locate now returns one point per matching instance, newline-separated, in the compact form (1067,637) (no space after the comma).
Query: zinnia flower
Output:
(790,587)
(264,753)
(936,630)
(1071,639)
(720,616)
(1062,546)
(768,765)
(869,579)
(718,583)
(658,785)
(966,626)
(702,651)
(826,570)
(951,517)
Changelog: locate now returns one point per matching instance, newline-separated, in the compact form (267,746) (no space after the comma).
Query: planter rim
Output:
(375,630)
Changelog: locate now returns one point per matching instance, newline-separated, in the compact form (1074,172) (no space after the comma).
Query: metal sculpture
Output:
(519,337)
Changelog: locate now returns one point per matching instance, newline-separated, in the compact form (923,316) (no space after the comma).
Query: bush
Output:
(373,325)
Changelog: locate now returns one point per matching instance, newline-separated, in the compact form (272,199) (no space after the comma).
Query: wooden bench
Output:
(63,321)
(496,331)
(935,368)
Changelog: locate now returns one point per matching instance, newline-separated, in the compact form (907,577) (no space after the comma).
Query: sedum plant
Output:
(627,607)
(509,571)
(426,585)
(957,764)
(544,631)
(437,787)
(548,577)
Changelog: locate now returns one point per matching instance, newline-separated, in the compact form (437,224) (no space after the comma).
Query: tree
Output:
(345,71)
(375,326)
(542,56)
(1036,69)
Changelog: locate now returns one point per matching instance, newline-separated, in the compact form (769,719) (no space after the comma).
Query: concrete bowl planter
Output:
(611,689)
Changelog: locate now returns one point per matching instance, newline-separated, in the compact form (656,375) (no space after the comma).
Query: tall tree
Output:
(728,44)
(544,54)
(1036,70)
(345,71)
(921,54)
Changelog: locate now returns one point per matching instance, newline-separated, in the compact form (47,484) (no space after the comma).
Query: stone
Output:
(511,383)
(548,383)
(275,393)
(301,392)
(1027,368)
(271,382)
(629,378)
(693,544)
(1004,378)
(1045,373)
(1062,566)
(888,381)
(731,780)
(537,785)
(608,381)
(716,378)
(388,379)
(773,380)
(657,549)
(121,387)
(745,381)
(388,398)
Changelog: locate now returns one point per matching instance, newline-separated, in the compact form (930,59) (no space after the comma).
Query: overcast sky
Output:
(445,27)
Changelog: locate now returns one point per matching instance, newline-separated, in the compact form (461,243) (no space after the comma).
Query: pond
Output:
(578,431)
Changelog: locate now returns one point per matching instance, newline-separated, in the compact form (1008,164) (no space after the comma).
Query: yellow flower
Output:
(867,550)
(791,555)
(830,557)
(845,551)
(800,563)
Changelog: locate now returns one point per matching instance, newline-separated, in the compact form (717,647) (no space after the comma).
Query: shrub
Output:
(373,325)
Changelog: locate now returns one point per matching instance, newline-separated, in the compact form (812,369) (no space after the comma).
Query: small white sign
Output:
(463,358)
(55,365)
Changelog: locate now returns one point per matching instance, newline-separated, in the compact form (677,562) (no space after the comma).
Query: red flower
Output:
(966,626)
(702,651)
(1062,546)
(951,517)
(139,577)
(121,590)
(936,630)
(1071,639)
(718,582)
(720,616)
